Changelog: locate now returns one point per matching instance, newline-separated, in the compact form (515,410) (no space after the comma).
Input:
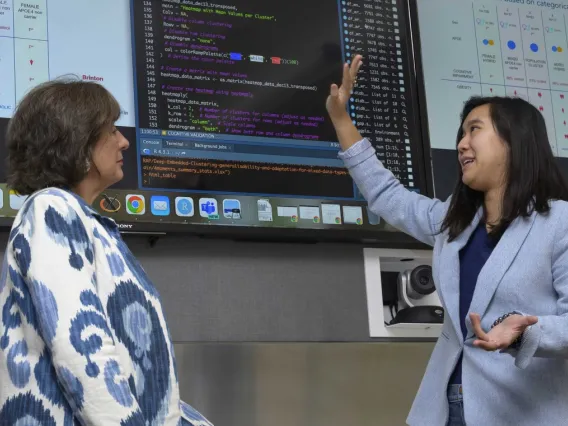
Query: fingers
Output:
(476,324)
(350,73)
(334,91)
(485,345)
(498,341)
(355,66)
(347,82)
(483,341)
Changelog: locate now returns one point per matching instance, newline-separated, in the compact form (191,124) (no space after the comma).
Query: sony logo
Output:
(125,226)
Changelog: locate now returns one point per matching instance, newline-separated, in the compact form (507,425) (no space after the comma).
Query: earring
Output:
(88,165)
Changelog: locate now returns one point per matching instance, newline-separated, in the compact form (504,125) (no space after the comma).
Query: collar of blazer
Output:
(491,274)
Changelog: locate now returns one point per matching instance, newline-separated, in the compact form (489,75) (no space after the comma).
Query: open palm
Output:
(339,96)
(502,335)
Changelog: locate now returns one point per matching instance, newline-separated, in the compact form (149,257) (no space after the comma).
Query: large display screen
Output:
(492,48)
(224,105)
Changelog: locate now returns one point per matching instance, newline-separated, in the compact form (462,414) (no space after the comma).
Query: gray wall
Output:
(254,325)
(216,290)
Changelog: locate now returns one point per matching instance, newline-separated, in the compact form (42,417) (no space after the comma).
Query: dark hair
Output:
(533,176)
(52,133)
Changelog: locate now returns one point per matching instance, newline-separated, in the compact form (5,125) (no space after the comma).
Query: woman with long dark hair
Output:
(500,263)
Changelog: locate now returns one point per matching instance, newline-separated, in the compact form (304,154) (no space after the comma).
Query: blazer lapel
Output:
(450,273)
(498,263)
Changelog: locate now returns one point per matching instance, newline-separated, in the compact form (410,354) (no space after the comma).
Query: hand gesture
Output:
(338,96)
(502,335)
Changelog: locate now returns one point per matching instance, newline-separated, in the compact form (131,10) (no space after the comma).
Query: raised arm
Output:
(412,213)
(51,253)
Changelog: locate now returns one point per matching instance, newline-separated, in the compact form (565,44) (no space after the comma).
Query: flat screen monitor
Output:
(491,48)
(224,106)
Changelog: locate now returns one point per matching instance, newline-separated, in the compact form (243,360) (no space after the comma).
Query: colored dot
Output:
(554,48)
(485,41)
(344,10)
(347,47)
(534,47)
(346,32)
(559,49)
(511,45)
(491,42)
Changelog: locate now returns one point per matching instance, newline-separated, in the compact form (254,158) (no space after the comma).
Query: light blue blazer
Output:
(527,272)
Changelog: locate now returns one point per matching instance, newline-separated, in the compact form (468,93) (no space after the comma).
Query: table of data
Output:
(494,49)
(23,50)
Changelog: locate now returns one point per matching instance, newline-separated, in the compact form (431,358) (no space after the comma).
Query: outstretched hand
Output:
(339,96)
(502,335)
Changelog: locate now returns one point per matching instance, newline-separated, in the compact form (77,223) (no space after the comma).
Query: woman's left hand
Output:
(502,335)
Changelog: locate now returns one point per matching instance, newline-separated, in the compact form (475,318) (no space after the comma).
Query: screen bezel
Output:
(380,239)
(414,31)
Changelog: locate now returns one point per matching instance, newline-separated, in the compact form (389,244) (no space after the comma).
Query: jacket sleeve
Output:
(191,417)
(412,213)
(53,253)
(548,338)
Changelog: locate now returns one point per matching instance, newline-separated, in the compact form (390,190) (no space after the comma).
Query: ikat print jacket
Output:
(83,338)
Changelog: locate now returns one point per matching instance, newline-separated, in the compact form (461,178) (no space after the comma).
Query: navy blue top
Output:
(472,258)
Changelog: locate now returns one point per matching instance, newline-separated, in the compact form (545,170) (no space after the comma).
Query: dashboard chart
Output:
(46,39)
(494,48)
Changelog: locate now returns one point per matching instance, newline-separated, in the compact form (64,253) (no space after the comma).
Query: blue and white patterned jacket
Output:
(83,338)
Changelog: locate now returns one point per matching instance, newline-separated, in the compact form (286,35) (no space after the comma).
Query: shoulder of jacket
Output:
(63,202)
(558,206)
(557,218)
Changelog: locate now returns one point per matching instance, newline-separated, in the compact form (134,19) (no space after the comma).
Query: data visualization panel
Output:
(492,48)
(46,39)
